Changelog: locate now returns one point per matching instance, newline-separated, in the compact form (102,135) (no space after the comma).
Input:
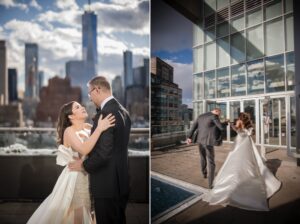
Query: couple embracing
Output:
(96,163)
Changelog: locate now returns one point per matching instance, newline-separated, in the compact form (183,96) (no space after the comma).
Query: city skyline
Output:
(56,28)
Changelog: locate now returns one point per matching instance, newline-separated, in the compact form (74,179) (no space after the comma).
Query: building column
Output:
(297,73)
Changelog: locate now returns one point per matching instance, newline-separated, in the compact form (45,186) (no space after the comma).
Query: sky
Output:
(171,40)
(55,25)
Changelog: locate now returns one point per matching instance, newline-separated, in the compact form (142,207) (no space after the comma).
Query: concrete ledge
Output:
(33,177)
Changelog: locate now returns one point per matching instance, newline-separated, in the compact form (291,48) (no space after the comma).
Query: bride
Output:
(243,181)
(70,201)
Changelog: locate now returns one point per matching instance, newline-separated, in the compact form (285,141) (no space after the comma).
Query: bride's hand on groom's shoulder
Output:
(106,122)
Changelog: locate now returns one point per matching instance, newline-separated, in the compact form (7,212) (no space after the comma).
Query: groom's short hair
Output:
(101,82)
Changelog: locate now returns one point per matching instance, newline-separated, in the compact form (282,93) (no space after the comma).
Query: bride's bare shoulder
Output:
(88,126)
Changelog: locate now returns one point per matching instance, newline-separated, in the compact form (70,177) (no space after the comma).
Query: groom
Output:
(107,163)
(208,126)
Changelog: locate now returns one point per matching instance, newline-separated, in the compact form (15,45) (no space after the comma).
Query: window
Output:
(273,10)
(255,47)
(254,17)
(209,7)
(255,72)
(289,25)
(198,35)
(290,71)
(209,84)
(223,52)
(223,82)
(198,59)
(238,80)
(198,86)
(237,24)
(275,74)
(288,5)
(222,3)
(210,34)
(222,29)
(237,50)
(274,37)
(210,56)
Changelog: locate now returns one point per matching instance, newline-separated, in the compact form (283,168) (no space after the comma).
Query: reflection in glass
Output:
(255,47)
(293,122)
(234,110)
(288,5)
(249,107)
(237,50)
(210,56)
(255,70)
(198,59)
(222,29)
(238,80)
(222,3)
(209,85)
(209,7)
(223,52)
(210,34)
(237,24)
(273,10)
(254,17)
(275,77)
(198,34)
(198,86)
(290,71)
(223,82)
(274,39)
(289,26)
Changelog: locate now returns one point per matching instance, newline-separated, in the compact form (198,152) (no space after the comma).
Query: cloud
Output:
(66,4)
(11,3)
(35,5)
(183,76)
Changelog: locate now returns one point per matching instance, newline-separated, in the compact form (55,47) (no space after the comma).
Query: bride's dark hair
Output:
(63,121)
(245,118)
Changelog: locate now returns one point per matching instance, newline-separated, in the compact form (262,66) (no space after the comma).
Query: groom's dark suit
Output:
(107,165)
(208,126)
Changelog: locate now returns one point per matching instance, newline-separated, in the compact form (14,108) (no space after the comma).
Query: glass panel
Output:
(237,50)
(290,71)
(274,9)
(198,59)
(255,47)
(209,7)
(223,52)
(198,87)
(288,5)
(210,34)
(222,29)
(197,109)
(238,80)
(275,74)
(223,82)
(293,122)
(209,85)
(273,131)
(222,3)
(210,56)
(198,35)
(289,26)
(249,107)
(237,24)
(255,70)
(274,37)
(234,110)
(283,120)
(254,17)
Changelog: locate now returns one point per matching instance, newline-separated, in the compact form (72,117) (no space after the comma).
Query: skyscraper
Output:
(128,72)
(12,84)
(41,80)
(117,89)
(31,70)
(3,74)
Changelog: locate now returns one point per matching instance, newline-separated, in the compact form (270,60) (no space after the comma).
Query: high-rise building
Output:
(3,74)
(41,81)
(12,85)
(244,61)
(128,71)
(31,70)
(117,89)
(166,100)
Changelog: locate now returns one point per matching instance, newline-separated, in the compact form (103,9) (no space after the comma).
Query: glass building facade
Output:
(243,60)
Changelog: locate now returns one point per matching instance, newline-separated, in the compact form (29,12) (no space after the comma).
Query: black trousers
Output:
(111,210)
(207,153)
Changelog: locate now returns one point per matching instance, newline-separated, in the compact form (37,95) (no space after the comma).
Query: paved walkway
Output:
(19,213)
(184,164)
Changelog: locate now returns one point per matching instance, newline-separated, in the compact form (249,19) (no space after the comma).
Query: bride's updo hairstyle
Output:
(63,121)
(245,118)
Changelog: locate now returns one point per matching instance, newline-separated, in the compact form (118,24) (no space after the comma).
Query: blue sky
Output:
(55,25)
(171,40)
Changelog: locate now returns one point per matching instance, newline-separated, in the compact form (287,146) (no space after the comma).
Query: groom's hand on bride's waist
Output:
(76,165)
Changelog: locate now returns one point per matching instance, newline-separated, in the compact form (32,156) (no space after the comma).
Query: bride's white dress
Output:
(70,193)
(243,181)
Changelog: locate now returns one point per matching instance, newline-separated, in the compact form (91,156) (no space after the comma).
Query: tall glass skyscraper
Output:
(128,71)
(3,74)
(243,61)
(31,70)
(12,84)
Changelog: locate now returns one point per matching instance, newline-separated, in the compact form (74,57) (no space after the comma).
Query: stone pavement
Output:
(20,212)
(183,163)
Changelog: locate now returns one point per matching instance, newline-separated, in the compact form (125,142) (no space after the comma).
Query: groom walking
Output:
(208,126)
(107,163)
